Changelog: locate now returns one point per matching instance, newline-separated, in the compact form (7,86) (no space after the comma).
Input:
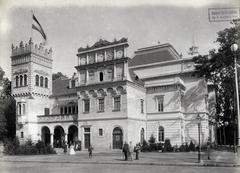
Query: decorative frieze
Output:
(57,118)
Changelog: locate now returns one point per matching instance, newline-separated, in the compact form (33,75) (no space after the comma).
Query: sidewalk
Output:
(218,158)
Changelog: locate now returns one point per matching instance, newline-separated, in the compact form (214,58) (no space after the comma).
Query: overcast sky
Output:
(72,24)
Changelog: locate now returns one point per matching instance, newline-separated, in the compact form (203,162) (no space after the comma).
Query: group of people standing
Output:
(128,150)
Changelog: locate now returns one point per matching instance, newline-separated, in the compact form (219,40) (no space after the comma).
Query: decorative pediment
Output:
(41,72)
(20,71)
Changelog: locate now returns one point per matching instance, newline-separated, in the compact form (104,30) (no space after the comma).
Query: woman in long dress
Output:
(72,152)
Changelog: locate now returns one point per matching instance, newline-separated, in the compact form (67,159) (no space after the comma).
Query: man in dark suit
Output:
(125,150)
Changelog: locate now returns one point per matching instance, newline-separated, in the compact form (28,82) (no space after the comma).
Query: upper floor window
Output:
(72,83)
(142,106)
(101,104)
(17,78)
(86,106)
(117,103)
(160,134)
(23,109)
(21,80)
(37,80)
(46,111)
(101,76)
(19,109)
(160,102)
(41,81)
(25,80)
(46,82)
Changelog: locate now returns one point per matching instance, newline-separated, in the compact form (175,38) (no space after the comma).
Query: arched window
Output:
(24,109)
(46,82)
(25,80)
(142,135)
(101,76)
(160,134)
(17,78)
(21,80)
(41,81)
(37,80)
(19,109)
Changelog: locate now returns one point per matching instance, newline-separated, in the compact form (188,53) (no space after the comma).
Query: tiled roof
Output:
(154,55)
(61,87)
(135,78)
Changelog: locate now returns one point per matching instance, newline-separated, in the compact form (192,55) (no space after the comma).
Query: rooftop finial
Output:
(194,49)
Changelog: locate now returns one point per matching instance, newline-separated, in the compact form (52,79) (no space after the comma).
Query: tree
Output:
(218,68)
(57,75)
(7,108)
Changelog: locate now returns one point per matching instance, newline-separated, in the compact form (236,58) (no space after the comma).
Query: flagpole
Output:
(31,25)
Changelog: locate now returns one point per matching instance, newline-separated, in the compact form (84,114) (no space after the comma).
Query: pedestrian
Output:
(131,150)
(208,149)
(137,150)
(65,147)
(125,150)
(72,151)
(90,151)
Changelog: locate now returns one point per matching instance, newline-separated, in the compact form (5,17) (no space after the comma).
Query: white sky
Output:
(70,24)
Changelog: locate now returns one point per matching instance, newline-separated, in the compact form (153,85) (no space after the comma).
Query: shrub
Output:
(145,146)
(50,149)
(152,141)
(192,146)
(40,146)
(168,146)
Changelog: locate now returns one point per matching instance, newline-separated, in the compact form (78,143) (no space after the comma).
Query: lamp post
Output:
(234,48)
(199,150)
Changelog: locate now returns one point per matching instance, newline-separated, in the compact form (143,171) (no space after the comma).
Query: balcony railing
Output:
(59,117)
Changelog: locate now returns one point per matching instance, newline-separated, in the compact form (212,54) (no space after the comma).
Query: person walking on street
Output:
(90,151)
(131,150)
(137,150)
(125,150)
(208,150)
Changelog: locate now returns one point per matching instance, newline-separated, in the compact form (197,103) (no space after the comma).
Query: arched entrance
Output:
(46,135)
(72,134)
(117,138)
(58,137)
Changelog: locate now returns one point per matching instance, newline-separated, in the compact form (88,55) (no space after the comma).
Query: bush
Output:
(192,146)
(13,147)
(152,143)
(145,146)
(167,146)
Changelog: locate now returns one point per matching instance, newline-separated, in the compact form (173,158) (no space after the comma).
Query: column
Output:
(95,57)
(65,137)
(51,139)
(125,52)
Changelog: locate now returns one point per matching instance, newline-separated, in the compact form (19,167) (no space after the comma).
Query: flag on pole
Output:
(36,25)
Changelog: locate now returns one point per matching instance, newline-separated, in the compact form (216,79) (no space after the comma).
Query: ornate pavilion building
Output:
(112,98)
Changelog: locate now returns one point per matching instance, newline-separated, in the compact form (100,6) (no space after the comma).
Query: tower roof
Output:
(61,87)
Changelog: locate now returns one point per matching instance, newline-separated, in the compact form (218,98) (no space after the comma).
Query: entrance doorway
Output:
(117,138)
(58,137)
(72,134)
(46,135)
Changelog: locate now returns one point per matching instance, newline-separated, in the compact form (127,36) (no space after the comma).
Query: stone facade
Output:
(112,98)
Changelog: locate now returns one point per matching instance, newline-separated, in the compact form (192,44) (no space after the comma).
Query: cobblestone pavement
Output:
(218,158)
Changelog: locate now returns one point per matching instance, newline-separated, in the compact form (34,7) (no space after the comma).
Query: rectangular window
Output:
(160,106)
(73,83)
(65,110)
(101,105)
(86,130)
(86,106)
(46,111)
(73,109)
(117,104)
(22,135)
(69,109)
(142,106)
(61,110)
(100,132)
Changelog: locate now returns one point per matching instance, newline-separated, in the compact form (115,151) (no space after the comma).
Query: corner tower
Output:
(31,86)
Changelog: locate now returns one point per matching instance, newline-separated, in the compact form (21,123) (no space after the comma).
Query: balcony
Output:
(57,118)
